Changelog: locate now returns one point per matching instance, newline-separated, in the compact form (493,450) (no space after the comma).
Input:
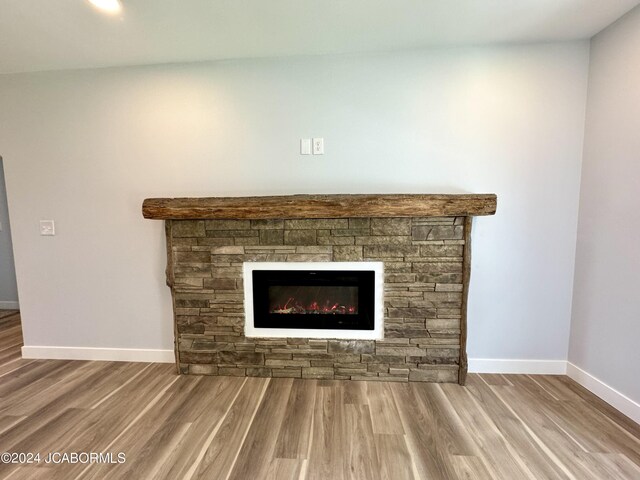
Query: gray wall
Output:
(606,304)
(8,289)
(86,147)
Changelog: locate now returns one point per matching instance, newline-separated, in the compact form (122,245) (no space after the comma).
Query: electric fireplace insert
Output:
(322,299)
(313,299)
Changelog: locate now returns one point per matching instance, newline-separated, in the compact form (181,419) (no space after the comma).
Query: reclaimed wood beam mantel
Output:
(320,206)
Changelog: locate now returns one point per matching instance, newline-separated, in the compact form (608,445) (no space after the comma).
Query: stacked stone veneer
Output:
(423,264)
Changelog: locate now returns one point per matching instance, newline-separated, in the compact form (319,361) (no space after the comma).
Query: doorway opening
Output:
(9,304)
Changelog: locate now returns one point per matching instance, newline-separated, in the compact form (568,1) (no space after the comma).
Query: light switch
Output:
(305,146)
(47,227)
(318,146)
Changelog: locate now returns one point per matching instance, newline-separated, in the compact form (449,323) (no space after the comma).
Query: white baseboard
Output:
(610,395)
(6,305)
(108,354)
(533,367)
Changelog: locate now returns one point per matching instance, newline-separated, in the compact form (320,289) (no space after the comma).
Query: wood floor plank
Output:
(257,451)
(37,418)
(384,412)
(542,463)
(360,457)
(94,471)
(14,354)
(617,418)
(10,346)
(294,436)
(40,394)
(204,409)
(11,366)
(104,424)
(223,450)
(587,425)
(23,396)
(355,393)
(610,465)
(9,332)
(551,384)
(9,318)
(10,342)
(328,426)
(10,336)
(99,384)
(30,472)
(45,439)
(394,458)
(445,418)
(149,454)
(44,372)
(6,422)
(284,469)
(579,419)
(472,468)
(495,379)
(505,461)
(10,322)
(534,414)
(10,353)
(429,444)
(148,440)
(53,407)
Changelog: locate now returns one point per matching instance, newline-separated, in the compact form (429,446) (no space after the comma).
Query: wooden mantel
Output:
(320,206)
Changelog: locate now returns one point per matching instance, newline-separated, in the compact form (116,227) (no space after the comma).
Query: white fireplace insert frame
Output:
(253,332)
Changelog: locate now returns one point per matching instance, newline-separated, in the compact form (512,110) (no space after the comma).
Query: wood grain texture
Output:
(9,316)
(359,455)
(325,456)
(170,280)
(293,439)
(319,206)
(428,438)
(466,278)
(10,339)
(199,427)
(384,412)
(258,449)
(394,457)
(222,452)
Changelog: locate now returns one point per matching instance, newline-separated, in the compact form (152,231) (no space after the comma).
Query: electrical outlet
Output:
(47,227)
(318,146)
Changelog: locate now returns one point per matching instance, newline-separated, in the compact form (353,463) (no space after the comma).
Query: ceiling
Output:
(64,34)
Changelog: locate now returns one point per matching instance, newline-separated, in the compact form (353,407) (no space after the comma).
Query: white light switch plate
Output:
(318,146)
(305,146)
(47,227)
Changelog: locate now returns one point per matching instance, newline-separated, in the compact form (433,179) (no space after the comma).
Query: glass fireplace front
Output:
(313,299)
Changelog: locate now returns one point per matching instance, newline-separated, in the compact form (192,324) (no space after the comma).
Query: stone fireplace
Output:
(420,242)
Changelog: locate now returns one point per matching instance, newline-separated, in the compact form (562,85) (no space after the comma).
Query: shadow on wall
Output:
(8,287)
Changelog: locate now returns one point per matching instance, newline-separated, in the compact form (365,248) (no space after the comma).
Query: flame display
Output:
(294,306)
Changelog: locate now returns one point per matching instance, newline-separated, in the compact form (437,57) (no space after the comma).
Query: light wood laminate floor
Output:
(497,427)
